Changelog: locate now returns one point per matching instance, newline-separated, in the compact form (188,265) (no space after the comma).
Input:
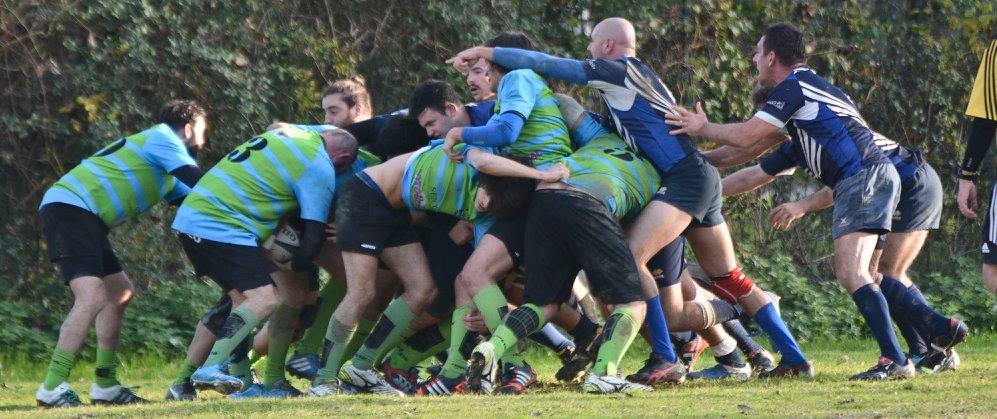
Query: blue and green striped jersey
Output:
(604,167)
(127,177)
(434,182)
(544,137)
(241,199)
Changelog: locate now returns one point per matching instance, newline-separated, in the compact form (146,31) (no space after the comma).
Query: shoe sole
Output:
(221,387)
(573,370)
(475,370)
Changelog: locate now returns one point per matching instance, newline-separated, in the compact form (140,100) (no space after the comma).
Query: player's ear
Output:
(188,131)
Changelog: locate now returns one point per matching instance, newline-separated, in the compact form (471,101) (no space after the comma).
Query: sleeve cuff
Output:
(767,117)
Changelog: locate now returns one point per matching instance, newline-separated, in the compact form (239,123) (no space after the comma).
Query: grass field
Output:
(969,392)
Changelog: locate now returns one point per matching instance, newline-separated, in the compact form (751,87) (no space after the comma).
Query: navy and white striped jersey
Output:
(829,137)
(637,101)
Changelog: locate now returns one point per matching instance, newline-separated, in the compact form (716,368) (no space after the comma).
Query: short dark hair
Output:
(509,197)
(511,40)
(432,94)
(787,42)
(399,135)
(354,92)
(179,112)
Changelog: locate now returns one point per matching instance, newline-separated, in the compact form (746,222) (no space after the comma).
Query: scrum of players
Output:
(463,231)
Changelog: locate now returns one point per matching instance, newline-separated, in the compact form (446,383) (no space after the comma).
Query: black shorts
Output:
(920,206)
(667,265)
(231,266)
(568,231)
(693,186)
(446,259)
(512,233)
(366,223)
(989,247)
(77,242)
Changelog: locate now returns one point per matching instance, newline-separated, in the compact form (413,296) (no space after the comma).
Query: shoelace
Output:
(72,397)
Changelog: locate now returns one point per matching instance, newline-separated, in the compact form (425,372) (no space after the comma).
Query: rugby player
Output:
(832,141)
(119,182)
(237,205)
(528,124)
(983,109)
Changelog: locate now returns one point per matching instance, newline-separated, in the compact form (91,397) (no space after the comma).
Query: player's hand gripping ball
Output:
(282,244)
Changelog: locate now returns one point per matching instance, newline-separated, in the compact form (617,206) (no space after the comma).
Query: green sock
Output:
(281,332)
(237,326)
(364,327)
(186,371)
(58,369)
(493,306)
(620,330)
(254,356)
(329,298)
(240,364)
(420,346)
(242,368)
(519,324)
(456,364)
(339,334)
(106,371)
(389,331)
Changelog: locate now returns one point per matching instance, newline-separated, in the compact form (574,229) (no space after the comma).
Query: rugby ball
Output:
(282,243)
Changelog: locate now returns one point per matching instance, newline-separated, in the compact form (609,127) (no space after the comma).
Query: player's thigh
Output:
(852,253)
(714,248)
(900,251)
(658,224)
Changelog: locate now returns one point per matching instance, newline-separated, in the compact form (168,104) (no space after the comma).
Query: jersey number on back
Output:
(619,153)
(241,154)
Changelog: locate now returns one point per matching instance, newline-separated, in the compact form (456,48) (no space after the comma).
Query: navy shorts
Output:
(693,186)
(920,206)
(667,265)
(865,201)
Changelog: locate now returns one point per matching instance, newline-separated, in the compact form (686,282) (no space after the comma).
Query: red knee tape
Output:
(732,286)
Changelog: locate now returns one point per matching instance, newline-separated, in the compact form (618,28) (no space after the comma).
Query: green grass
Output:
(970,391)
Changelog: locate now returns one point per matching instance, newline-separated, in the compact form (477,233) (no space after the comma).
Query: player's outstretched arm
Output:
(727,156)
(745,180)
(566,69)
(784,215)
(740,134)
(494,165)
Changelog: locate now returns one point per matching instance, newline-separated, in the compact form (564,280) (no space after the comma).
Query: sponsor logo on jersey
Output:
(777,103)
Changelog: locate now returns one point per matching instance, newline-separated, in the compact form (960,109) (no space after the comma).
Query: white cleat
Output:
(324,389)
(367,381)
(61,396)
(606,384)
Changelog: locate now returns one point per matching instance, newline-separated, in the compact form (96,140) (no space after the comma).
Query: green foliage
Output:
(77,75)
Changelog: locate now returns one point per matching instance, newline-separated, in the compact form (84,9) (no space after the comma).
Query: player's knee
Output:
(423,293)
(732,286)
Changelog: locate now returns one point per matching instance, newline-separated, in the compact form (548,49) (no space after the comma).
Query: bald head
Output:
(612,38)
(342,148)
